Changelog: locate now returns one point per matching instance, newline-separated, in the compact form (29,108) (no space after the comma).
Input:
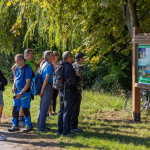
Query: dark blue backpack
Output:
(36,82)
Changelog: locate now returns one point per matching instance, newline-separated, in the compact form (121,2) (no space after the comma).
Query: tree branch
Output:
(144,14)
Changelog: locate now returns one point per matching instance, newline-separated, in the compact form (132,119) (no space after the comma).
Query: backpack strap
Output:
(24,70)
(42,68)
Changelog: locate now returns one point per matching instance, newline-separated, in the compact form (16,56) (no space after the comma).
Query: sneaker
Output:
(77,130)
(14,128)
(58,133)
(54,114)
(21,121)
(48,118)
(2,137)
(46,129)
(27,129)
(69,134)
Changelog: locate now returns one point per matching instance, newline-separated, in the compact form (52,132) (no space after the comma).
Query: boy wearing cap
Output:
(77,65)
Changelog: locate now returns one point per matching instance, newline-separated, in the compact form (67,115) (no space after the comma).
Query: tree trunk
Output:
(130,14)
(127,17)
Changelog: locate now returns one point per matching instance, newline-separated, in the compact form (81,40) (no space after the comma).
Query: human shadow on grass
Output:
(104,135)
(126,139)
(41,143)
(30,138)
(106,122)
(61,144)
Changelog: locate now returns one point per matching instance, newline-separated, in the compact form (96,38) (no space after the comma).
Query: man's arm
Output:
(13,68)
(24,89)
(14,87)
(72,75)
(44,84)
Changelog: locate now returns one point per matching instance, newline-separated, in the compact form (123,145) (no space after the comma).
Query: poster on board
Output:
(144,64)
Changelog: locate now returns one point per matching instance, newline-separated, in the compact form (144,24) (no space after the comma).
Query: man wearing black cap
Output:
(79,59)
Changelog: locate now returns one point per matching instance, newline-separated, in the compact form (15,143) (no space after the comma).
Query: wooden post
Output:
(135,90)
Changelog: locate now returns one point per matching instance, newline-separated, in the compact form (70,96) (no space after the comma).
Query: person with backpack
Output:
(42,61)
(22,96)
(3,82)
(46,90)
(28,54)
(77,65)
(67,94)
(55,92)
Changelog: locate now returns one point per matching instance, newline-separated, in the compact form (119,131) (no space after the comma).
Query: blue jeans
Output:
(44,105)
(65,112)
(1,98)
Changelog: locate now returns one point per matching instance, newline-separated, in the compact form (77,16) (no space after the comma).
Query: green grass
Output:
(105,124)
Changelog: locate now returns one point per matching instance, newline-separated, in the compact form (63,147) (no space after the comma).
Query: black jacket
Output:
(69,73)
(3,80)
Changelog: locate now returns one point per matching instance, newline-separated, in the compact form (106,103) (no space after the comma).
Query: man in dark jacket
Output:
(3,82)
(67,95)
(77,65)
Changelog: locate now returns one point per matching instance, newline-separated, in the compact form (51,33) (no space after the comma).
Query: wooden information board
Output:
(140,68)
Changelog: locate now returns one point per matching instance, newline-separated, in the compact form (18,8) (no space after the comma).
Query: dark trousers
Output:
(54,99)
(44,105)
(76,111)
(65,111)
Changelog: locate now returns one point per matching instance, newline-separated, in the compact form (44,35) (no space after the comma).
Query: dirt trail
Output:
(24,141)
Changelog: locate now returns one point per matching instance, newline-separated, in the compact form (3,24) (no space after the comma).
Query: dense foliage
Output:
(100,28)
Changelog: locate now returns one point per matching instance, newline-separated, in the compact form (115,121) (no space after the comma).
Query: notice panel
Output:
(144,64)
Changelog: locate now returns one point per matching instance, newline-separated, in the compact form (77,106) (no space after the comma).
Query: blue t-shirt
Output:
(19,79)
(48,70)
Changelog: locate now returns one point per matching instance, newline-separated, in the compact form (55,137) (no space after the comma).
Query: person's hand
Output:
(18,96)
(78,74)
(41,93)
(13,90)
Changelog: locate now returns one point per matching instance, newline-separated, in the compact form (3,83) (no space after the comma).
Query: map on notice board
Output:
(144,64)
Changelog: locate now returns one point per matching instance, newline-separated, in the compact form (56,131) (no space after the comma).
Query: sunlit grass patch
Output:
(103,120)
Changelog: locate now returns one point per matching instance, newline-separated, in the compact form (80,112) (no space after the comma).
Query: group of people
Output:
(70,96)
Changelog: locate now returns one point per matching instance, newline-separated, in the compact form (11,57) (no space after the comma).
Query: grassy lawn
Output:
(105,124)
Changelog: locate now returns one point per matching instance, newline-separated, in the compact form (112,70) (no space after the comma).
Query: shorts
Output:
(1,98)
(24,101)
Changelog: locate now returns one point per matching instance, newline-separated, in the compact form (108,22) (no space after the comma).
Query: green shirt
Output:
(31,64)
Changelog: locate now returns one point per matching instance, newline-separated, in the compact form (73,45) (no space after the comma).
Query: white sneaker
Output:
(49,118)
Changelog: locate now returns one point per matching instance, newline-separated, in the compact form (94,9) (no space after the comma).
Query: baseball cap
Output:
(79,55)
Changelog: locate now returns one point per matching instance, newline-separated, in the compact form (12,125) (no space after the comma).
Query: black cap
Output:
(79,55)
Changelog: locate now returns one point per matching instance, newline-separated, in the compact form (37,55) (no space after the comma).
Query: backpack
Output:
(36,82)
(24,71)
(58,82)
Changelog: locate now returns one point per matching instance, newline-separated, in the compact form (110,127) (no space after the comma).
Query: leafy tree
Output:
(100,28)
